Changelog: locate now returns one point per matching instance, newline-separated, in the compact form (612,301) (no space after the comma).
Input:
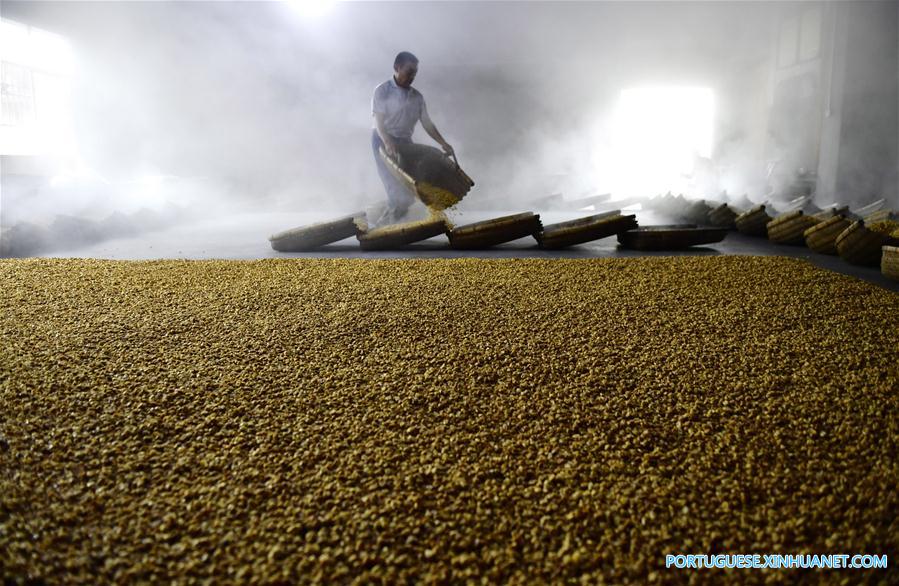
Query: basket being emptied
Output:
(438,181)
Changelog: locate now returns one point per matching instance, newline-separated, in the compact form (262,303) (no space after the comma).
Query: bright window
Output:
(35,86)
(660,135)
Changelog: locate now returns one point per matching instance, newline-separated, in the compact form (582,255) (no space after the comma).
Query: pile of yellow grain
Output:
(436,198)
(884,226)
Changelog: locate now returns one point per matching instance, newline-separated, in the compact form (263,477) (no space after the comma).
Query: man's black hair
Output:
(404,57)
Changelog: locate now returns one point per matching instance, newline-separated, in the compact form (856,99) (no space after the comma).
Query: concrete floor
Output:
(245,236)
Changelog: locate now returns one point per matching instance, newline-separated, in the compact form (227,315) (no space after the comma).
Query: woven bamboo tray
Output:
(723,216)
(496,231)
(753,222)
(674,237)
(438,181)
(859,246)
(316,235)
(397,235)
(822,237)
(789,228)
(889,262)
(587,229)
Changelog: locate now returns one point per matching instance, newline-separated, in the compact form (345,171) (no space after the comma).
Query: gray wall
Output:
(860,141)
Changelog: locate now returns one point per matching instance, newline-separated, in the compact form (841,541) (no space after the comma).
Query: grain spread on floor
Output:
(441,420)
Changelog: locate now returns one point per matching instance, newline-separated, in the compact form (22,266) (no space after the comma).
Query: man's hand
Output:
(390,147)
(448,149)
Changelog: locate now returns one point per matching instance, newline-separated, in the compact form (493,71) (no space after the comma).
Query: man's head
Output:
(405,67)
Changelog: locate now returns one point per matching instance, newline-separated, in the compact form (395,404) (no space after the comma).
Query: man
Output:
(397,107)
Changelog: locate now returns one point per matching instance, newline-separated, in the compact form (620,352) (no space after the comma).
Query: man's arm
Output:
(432,131)
(389,146)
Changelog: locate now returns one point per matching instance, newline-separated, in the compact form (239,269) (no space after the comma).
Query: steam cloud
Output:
(259,108)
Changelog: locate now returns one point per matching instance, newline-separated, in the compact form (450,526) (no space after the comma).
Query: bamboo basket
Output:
(859,246)
(753,222)
(674,237)
(583,230)
(889,262)
(789,228)
(822,237)
(397,235)
(316,235)
(723,216)
(496,231)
